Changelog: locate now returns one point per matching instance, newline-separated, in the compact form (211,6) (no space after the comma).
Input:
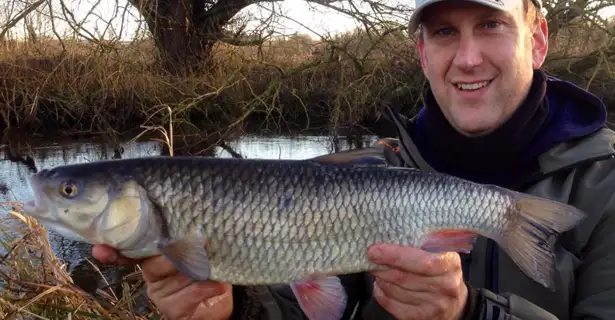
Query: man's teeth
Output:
(472,86)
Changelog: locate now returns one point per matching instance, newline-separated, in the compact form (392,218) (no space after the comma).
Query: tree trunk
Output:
(185,31)
(179,46)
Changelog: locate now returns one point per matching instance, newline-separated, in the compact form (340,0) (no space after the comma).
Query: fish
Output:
(297,222)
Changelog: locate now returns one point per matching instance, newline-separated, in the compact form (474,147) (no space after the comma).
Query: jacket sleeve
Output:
(595,278)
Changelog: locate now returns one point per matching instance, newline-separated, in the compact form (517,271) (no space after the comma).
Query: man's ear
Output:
(422,55)
(540,43)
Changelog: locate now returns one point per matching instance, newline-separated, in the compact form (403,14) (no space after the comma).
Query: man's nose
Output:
(469,52)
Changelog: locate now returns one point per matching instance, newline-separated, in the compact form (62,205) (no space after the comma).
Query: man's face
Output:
(479,62)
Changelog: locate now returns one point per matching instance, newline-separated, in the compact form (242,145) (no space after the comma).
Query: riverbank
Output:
(36,284)
(284,85)
(289,84)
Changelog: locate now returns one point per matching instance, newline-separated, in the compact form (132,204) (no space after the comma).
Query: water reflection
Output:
(301,147)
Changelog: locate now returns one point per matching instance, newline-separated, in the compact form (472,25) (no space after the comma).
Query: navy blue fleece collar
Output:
(574,113)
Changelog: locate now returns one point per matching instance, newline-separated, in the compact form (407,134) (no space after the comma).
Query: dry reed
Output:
(296,83)
(36,284)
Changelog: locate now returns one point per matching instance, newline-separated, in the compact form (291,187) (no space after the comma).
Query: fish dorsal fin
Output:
(372,155)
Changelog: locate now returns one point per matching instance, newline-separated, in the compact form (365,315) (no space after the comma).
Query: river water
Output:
(14,172)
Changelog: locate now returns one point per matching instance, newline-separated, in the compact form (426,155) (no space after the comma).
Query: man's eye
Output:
(444,31)
(492,24)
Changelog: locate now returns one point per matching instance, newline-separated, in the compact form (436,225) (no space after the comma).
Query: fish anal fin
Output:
(323,298)
(189,255)
(450,240)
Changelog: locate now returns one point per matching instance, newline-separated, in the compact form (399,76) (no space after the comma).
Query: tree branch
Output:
(241,41)
(20,17)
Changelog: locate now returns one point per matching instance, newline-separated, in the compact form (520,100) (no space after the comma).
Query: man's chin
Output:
(474,128)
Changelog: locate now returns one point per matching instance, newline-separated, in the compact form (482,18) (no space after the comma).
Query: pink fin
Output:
(450,240)
(321,299)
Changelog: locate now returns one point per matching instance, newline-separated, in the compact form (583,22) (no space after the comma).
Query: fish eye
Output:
(68,189)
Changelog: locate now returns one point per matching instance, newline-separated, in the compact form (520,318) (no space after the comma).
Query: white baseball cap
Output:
(420,5)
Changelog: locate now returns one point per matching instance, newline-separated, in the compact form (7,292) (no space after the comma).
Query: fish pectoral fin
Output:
(189,255)
(450,240)
(321,299)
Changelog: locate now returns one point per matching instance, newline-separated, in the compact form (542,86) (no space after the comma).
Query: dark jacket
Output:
(579,170)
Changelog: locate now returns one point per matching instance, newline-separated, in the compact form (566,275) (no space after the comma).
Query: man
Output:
(491,116)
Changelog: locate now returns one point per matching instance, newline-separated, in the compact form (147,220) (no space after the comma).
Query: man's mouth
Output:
(469,86)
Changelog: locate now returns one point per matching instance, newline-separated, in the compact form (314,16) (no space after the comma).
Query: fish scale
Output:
(298,222)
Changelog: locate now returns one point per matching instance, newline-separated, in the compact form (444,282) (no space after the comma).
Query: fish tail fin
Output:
(323,298)
(533,222)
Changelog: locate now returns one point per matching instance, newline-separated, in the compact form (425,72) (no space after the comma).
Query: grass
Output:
(286,84)
(36,285)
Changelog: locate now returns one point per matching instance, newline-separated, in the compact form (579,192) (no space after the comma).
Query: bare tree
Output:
(186,30)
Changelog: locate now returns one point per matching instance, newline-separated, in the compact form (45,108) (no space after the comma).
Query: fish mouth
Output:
(38,207)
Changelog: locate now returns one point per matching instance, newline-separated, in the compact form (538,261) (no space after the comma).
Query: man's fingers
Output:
(220,310)
(414,260)
(226,291)
(400,294)
(405,280)
(176,284)
(185,301)
(168,286)
(107,255)
(418,305)
(447,284)
(157,268)
(395,308)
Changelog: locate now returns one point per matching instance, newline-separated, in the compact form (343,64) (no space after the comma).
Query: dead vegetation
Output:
(84,82)
(285,84)
(36,285)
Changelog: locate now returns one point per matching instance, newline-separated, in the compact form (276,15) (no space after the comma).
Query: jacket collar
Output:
(595,146)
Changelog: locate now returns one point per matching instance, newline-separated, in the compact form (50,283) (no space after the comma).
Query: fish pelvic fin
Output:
(189,255)
(534,221)
(323,298)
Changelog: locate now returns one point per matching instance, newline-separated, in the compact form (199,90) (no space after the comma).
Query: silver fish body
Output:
(280,221)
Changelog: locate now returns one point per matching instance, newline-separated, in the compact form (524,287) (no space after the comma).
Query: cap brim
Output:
(415,17)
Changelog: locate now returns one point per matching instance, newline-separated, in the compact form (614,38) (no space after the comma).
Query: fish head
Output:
(94,207)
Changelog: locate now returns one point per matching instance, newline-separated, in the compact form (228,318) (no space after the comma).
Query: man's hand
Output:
(420,285)
(176,296)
